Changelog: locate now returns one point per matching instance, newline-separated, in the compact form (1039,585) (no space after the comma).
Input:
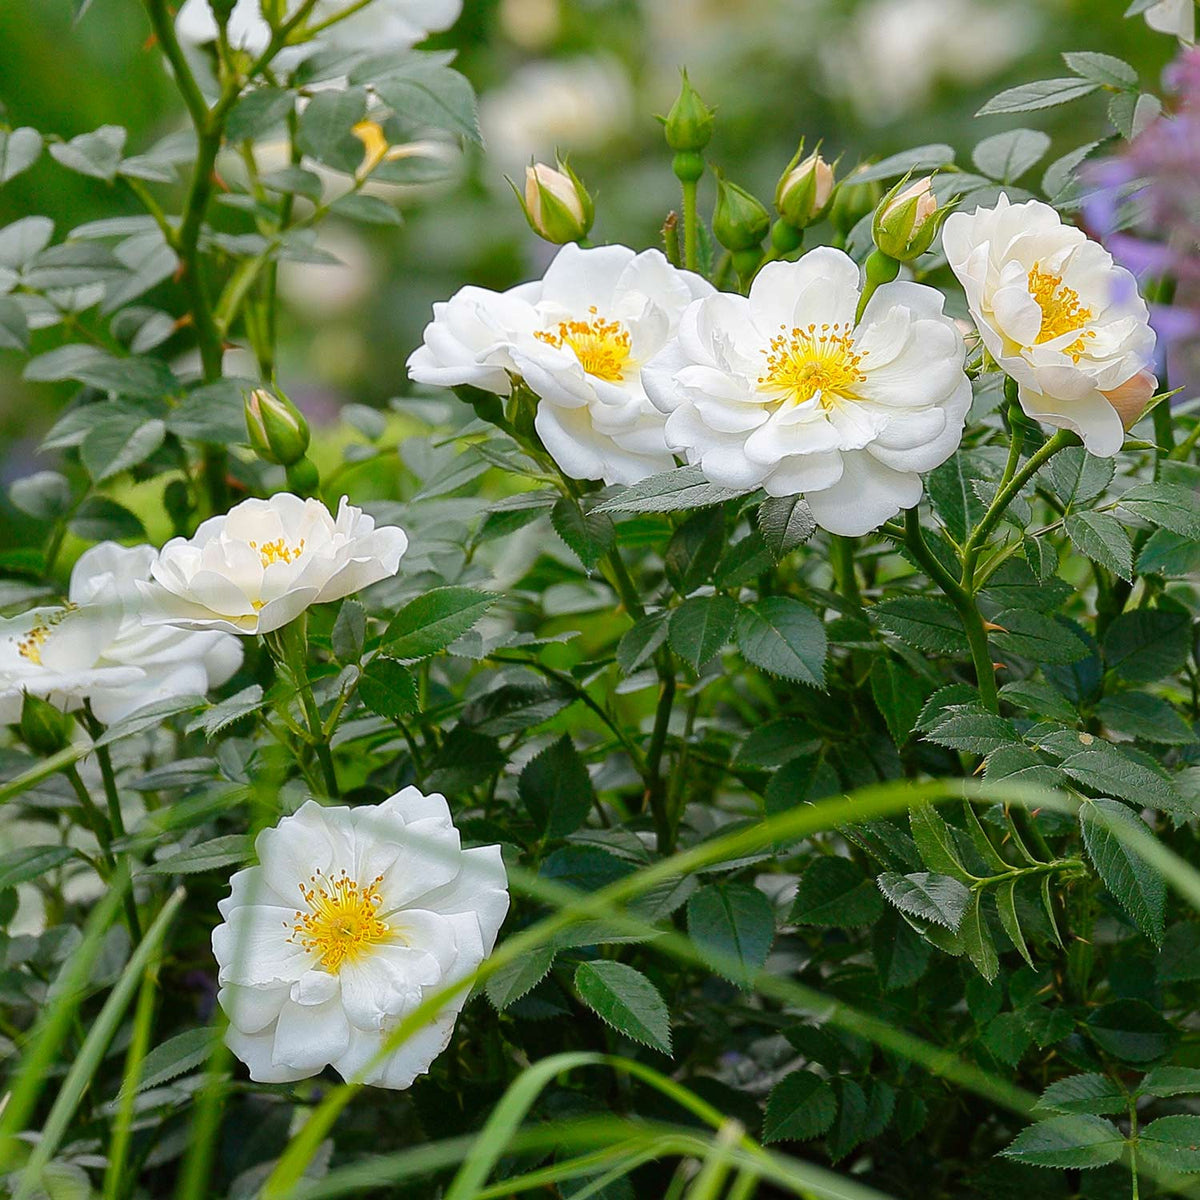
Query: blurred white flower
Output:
(531,23)
(1056,314)
(580,104)
(97,649)
(578,338)
(382,26)
(353,918)
(898,51)
(1174,16)
(264,562)
(783,390)
(321,291)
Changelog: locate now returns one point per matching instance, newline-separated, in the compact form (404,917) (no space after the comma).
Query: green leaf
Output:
(1045,93)
(1106,769)
(97,153)
(1132,1031)
(1148,644)
(899,695)
(732,926)
(1169,554)
(1140,715)
(556,789)
(1169,505)
(1102,538)
(234,848)
(939,899)
(426,94)
(212,413)
(1005,894)
(670,491)
(1067,1142)
(801,1106)
(1062,172)
(515,979)
(1007,156)
(434,620)
(121,441)
(349,632)
(221,716)
(973,730)
(784,637)
(1171,1081)
(701,626)
(850,1125)
(325,124)
(14,326)
(935,842)
(388,688)
(1037,696)
(694,550)
(834,893)
(785,523)
(1037,637)
(176,1056)
(590,534)
(1130,114)
(919,158)
(44,495)
(952,492)
(1171,1143)
(19,150)
(1103,69)
(1091,1093)
(1137,887)
(98,519)
(977,939)
(374,210)
(625,999)
(927,624)
(257,112)
(139,377)
(639,643)
(20,866)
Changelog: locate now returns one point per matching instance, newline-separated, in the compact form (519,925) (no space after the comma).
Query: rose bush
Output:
(741,739)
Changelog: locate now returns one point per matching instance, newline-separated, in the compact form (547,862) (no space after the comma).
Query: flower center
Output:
(601,346)
(1061,310)
(278,551)
(802,363)
(30,646)
(342,920)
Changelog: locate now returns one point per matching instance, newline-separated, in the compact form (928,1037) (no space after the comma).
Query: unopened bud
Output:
(44,729)
(556,204)
(277,428)
(853,201)
(689,124)
(907,220)
(1131,398)
(740,221)
(805,190)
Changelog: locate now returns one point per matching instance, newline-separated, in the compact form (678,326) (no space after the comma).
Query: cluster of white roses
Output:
(799,388)
(354,917)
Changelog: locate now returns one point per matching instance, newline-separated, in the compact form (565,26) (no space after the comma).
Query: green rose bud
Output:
(44,729)
(907,220)
(853,201)
(277,428)
(740,221)
(689,124)
(805,190)
(556,205)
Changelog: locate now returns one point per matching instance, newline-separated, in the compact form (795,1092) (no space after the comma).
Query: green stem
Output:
(97,822)
(691,224)
(656,785)
(842,561)
(1133,1146)
(1004,497)
(293,645)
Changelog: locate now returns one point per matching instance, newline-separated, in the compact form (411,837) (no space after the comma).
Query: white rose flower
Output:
(385,25)
(353,917)
(265,561)
(1173,16)
(578,337)
(1055,313)
(782,389)
(97,649)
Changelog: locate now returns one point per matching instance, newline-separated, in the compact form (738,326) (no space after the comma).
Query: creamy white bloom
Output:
(1173,16)
(352,918)
(265,561)
(783,390)
(96,648)
(384,25)
(1055,313)
(578,337)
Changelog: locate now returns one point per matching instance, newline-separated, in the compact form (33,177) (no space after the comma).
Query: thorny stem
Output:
(292,644)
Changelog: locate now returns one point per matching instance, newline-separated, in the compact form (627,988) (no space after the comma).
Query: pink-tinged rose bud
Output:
(1131,398)
(805,190)
(907,220)
(556,204)
(922,191)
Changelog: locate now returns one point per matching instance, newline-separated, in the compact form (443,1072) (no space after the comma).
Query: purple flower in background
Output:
(1145,205)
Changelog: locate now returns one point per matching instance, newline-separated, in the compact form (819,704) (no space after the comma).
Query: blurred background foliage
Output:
(869,77)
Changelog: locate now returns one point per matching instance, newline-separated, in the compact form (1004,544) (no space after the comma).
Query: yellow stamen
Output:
(802,363)
(30,646)
(278,551)
(1062,311)
(601,346)
(342,920)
